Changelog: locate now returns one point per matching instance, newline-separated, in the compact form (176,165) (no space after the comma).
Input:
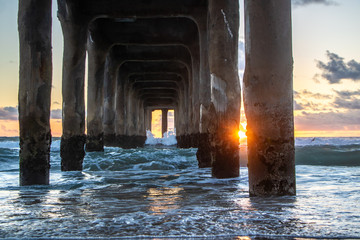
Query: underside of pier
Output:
(145,55)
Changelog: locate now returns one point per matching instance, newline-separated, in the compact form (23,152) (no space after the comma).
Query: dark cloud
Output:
(336,69)
(348,94)
(56,114)
(308,2)
(8,113)
(11,113)
(347,104)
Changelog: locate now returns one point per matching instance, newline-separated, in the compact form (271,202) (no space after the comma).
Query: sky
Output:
(326,52)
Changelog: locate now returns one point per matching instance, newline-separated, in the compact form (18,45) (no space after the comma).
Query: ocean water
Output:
(159,192)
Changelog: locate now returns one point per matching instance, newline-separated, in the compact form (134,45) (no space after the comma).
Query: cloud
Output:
(308,2)
(8,113)
(4,129)
(336,69)
(307,94)
(308,101)
(297,106)
(56,103)
(56,114)
(11,113)
(347,104)
(347,94)
(336,120)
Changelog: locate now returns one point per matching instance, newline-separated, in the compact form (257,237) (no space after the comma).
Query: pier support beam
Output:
(73,138)
(109,101)
(35,80)
(225,88)
(148,119)
(164,120)
(96,60)
(269,97)
(203,105)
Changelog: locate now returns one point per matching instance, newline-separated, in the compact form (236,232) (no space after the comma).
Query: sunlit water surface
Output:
(161,192)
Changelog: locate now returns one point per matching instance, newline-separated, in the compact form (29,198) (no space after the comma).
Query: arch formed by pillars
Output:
(142,55)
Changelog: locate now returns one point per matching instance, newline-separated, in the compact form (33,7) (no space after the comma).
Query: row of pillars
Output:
(211,92)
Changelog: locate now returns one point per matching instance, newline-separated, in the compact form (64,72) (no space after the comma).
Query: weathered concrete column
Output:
(141,123)
(35,77)
(164,120)
(130,129)
(269,97)
(148,118)
(203,109)
(225,88)
(109,100)
(95,99)
(73,112)
(120,117)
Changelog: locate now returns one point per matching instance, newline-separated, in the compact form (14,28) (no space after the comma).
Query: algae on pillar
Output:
(225,88)
(268,96)
(35,78)
(73,112)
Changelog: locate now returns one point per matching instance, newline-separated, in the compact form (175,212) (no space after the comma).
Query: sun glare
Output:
(242,134)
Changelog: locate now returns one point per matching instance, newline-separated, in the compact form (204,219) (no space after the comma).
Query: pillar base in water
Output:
(225,160)
(35,160)
(272,167)
(72,153)
(203,153)
(128,142)
(183,141)
(194,138)
(110,140)
(95,143)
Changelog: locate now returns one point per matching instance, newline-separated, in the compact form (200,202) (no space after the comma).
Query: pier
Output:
(161,55)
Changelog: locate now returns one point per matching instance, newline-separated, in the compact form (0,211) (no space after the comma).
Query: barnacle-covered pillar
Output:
(35,77)
(268,97)
(225,104)
(74,29)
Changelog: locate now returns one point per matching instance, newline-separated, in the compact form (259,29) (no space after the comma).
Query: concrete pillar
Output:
(73,112)
(109,101)
(35,77)
(130,112)
(148,118)
(120,111)
(202,108)
(95,99)
(164,121)
(141,123)
(225,88)
(268,97)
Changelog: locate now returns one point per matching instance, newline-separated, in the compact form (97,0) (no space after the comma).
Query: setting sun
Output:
(242,131)
(242,134)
